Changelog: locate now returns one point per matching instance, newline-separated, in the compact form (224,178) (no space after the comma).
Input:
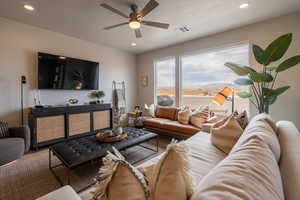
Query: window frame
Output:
(178,66)
(155,77)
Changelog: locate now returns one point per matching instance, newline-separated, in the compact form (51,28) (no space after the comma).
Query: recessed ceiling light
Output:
(133,44)
(29,7)
(244,5)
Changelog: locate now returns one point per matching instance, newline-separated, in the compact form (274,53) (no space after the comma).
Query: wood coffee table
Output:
(80,151)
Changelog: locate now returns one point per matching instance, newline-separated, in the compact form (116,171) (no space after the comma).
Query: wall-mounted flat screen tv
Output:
(60,72)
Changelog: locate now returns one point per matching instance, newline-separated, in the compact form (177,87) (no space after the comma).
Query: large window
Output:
(201,76)
(165,82)
(204,74)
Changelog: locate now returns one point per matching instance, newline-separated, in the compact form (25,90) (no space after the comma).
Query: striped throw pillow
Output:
(184,115)
(4,132)
(200,116)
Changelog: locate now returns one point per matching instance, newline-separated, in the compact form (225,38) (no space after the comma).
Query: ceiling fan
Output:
(136,18)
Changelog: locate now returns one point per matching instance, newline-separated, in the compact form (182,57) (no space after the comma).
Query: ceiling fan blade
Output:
(138,33)
(104,5)
(149,7)
(114,26)
(156,24)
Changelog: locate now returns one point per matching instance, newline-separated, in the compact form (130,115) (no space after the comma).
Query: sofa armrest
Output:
(21,132)
(63,193)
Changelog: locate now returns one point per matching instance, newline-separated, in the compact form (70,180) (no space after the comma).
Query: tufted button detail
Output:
(79,150)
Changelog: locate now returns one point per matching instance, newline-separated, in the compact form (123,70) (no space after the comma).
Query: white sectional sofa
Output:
(205,156)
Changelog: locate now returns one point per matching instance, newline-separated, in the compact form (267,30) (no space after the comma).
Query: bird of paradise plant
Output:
(262,83)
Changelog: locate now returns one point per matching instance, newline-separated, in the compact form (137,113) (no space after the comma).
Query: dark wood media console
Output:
(50,125)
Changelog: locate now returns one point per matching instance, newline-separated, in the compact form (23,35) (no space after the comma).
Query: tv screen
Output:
(59,72)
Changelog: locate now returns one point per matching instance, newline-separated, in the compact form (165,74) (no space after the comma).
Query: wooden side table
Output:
(134,114)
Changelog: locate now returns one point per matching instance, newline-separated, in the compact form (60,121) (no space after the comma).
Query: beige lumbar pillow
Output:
(200,116)
(184,115)
(120,180)
(226,133)
(149,111)
(170,177)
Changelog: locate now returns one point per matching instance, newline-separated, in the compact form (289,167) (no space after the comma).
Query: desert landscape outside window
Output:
(204,74)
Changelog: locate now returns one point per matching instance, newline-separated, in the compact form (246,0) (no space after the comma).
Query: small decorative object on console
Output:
(73,101)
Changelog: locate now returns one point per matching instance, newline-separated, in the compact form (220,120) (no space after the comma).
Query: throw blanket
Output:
(119,106)
(119,99)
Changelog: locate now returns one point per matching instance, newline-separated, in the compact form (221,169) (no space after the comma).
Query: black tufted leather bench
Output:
(81,150)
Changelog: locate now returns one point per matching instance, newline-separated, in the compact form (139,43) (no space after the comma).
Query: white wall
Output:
(287,107)
(19,44)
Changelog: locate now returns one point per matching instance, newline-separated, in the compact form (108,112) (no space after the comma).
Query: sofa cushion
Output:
(289,139)
(183,116)
(156,122)
(226,135)
(118,179)
(177,126)
(170,176)
(11,149)
(166,112)
(261,126)
(65,193)
(200,116)
(250,171)
(203,156)
(149,111)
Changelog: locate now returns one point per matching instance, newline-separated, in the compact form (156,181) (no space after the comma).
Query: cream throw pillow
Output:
(120,180)
(149,111)
(170,177)
(226,133)
(200,116)
(184,115)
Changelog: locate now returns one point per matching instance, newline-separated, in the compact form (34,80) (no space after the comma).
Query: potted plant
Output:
(98,95)
(262,82)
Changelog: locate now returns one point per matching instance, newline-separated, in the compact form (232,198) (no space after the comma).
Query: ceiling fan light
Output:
(134,25)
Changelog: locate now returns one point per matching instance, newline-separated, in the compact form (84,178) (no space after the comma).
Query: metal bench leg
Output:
(51,168)
(155,151)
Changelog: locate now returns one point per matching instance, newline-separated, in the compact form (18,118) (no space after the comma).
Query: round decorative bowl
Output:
(107,137)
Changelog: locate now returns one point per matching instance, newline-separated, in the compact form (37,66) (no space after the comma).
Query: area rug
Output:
(30,177)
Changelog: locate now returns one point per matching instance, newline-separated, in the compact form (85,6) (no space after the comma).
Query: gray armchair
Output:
(15,145)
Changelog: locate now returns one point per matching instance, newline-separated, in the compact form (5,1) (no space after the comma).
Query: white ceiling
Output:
(85,19)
